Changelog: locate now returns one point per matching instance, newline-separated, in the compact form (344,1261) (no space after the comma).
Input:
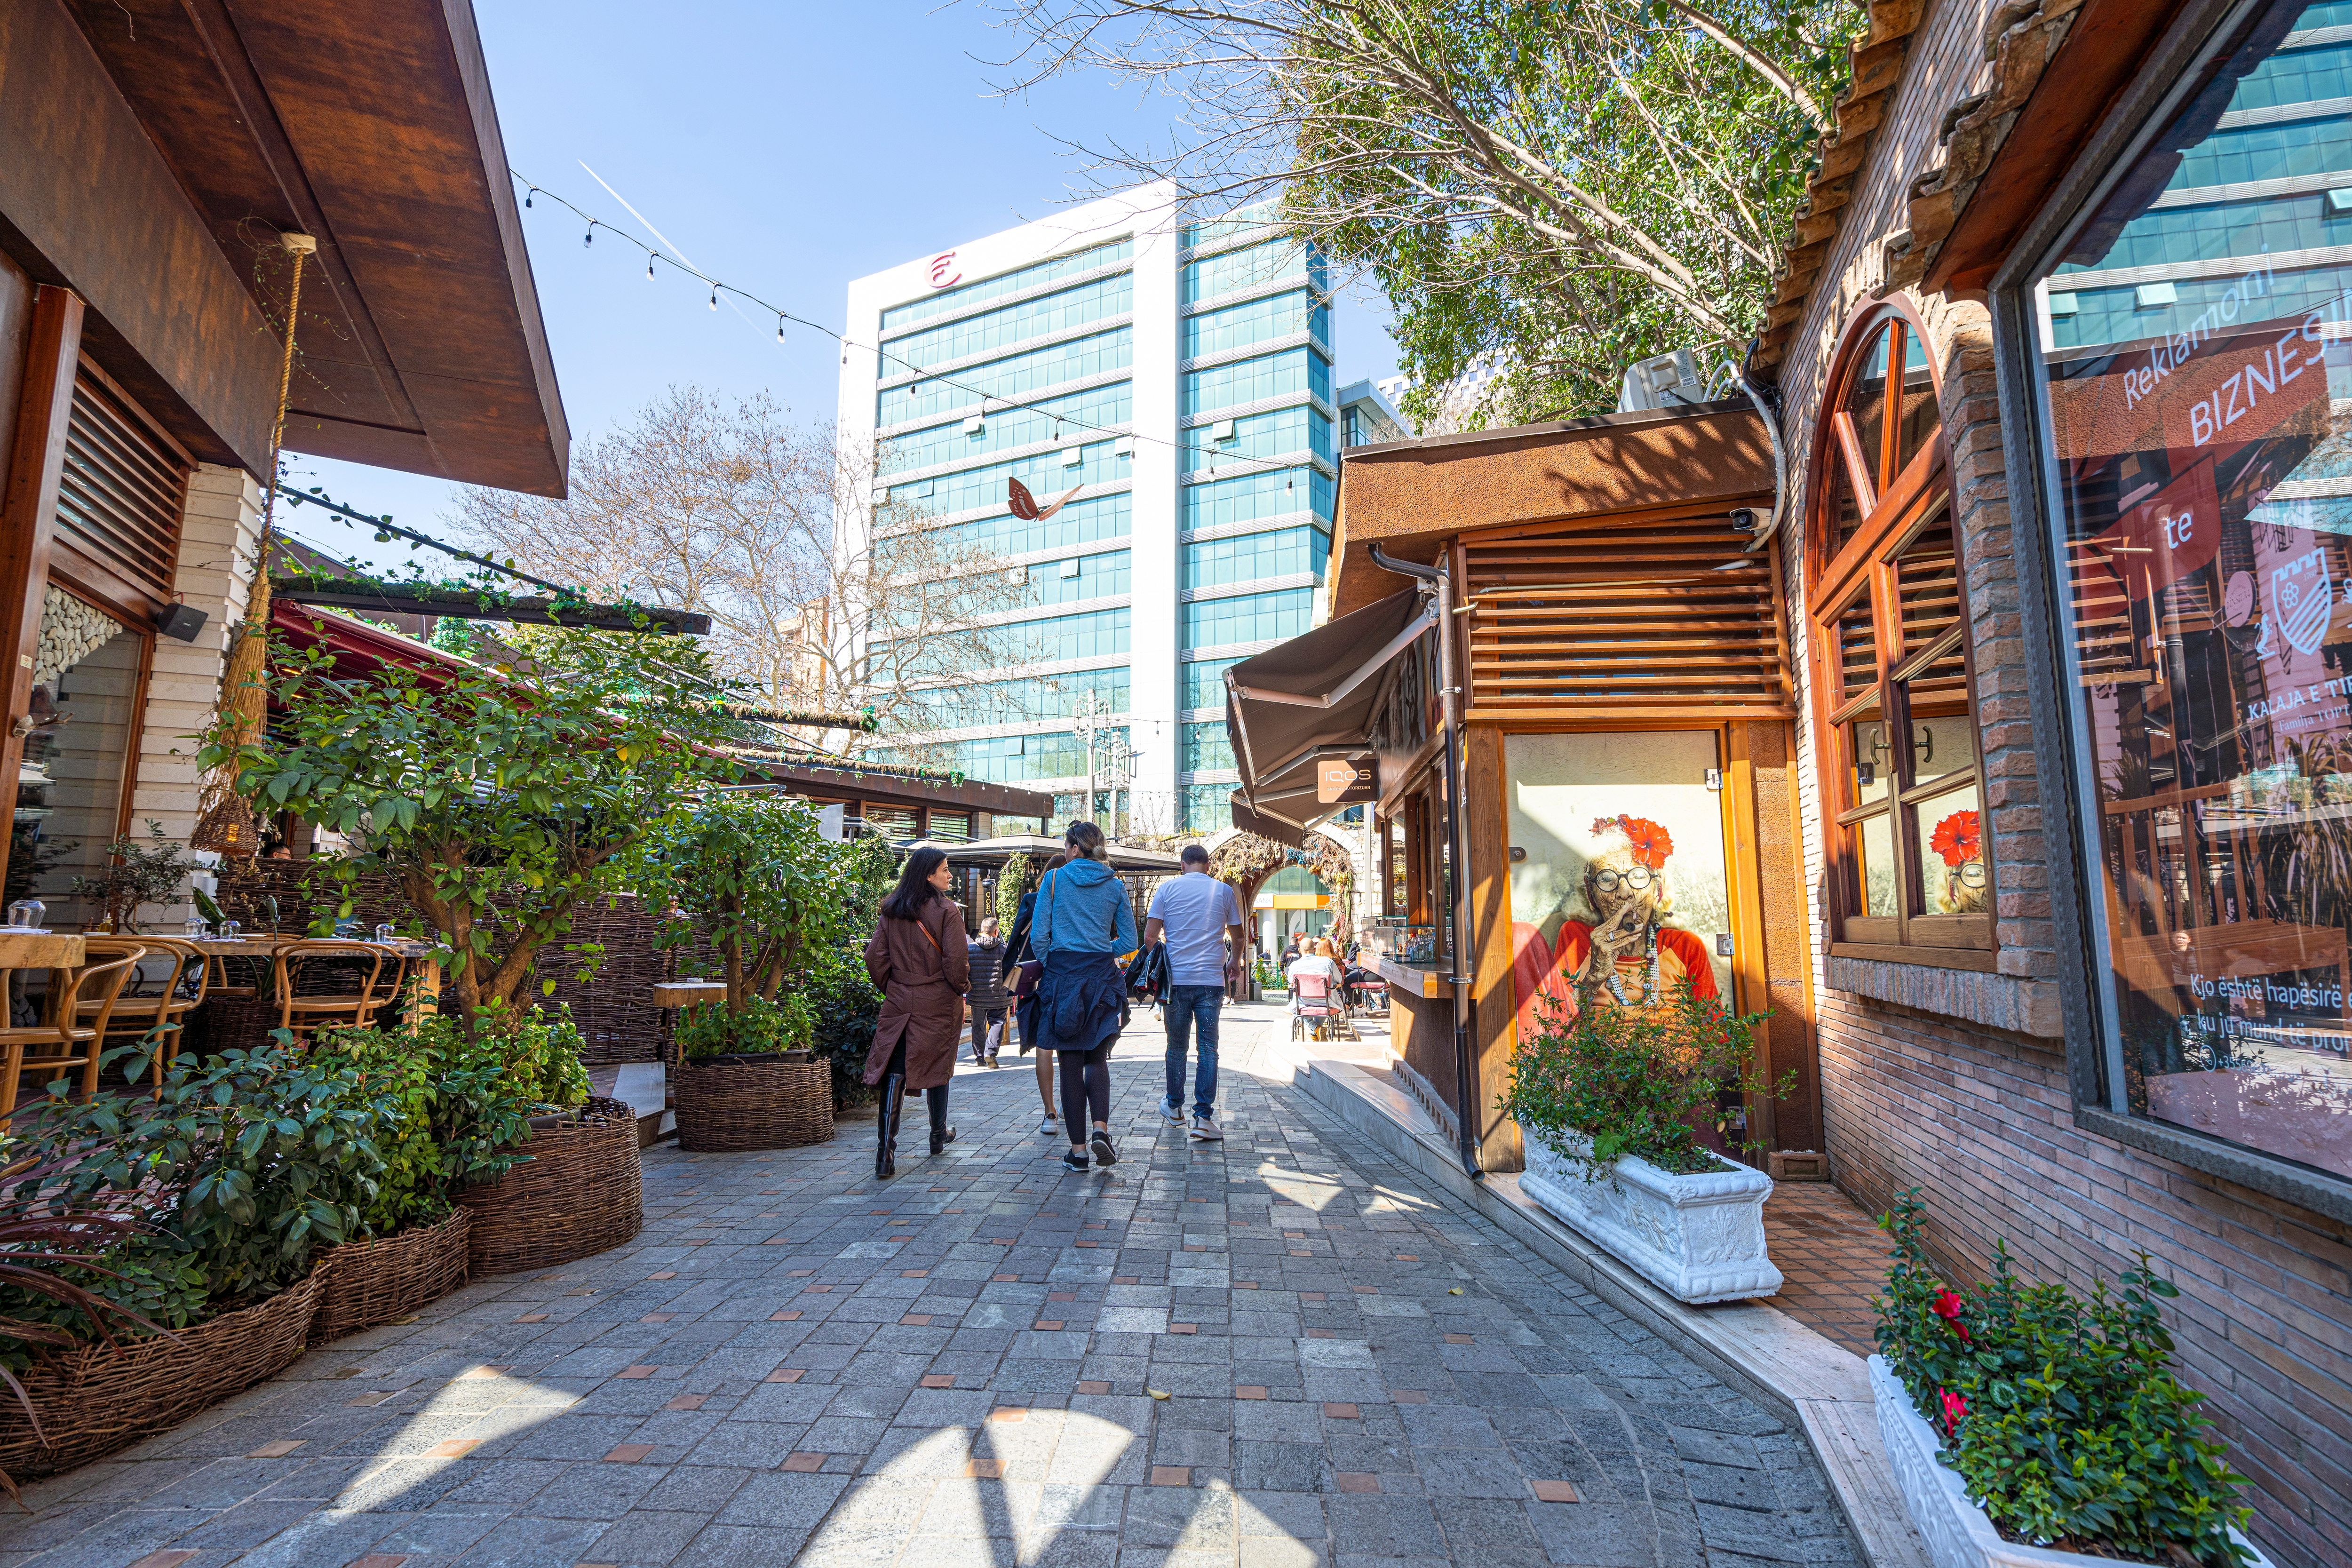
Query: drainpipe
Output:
(1449,685)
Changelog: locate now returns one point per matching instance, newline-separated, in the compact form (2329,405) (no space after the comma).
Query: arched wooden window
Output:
(1894,696)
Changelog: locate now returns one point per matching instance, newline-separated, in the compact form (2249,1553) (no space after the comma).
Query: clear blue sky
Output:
(788,148)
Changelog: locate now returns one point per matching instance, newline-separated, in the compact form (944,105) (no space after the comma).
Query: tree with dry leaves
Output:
(736,511)
(1558,188)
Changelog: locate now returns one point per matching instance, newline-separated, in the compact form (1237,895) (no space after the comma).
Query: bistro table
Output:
(263,947)
(21,949)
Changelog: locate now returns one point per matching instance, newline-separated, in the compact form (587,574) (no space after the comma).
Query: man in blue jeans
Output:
(1197,916)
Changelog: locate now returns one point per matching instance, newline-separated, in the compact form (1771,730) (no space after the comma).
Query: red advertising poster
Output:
(2203,393)
(2164,539)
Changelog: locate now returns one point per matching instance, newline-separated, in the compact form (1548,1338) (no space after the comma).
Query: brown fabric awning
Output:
(1313,697)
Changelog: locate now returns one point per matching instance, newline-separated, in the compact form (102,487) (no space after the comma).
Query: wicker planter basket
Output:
(364,1283)
(576,1196)
(757,1103)
(96,1401)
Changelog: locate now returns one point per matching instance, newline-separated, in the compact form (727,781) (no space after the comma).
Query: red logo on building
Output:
(944,269)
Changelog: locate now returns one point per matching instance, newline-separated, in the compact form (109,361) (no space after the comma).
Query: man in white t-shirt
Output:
(1200,920)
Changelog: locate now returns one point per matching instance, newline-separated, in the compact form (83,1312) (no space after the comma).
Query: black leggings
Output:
(1085,1084)
(935,1099)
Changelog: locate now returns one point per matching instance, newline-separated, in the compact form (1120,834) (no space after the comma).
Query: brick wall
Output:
(1957,1083)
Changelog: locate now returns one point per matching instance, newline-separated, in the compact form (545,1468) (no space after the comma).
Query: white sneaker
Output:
(1205,1129)
(1170,1112)
(1051,1127)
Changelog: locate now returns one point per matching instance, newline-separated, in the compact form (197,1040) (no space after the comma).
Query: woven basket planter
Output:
(96,1401)
(387,1277)
(576,1196)
(756,1103)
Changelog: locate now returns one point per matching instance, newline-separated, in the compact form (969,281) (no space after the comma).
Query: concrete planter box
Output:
(1956,1531)
(1700,1237)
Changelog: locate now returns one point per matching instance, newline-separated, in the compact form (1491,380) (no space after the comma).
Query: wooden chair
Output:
(155,1007)
(327,985)
(61,1040)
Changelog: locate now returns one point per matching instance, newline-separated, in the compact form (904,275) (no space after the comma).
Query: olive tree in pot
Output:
(500,798)
(754,879)
(1611,1097)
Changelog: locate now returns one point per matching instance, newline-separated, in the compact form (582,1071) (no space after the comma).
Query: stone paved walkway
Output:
(964,1367)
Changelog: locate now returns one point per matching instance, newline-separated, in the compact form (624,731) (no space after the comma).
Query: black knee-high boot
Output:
(886,1126)
(935,1100)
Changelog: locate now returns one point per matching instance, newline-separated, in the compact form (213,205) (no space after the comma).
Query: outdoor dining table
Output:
(263,948)
(34,950)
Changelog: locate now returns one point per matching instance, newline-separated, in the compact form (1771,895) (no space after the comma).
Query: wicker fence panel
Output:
(617,1019)
(387,1277)
(578,1195)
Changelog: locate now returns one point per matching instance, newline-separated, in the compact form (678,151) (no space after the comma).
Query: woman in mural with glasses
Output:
(1625,951)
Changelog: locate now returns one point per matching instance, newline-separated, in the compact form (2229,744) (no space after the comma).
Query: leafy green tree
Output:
(1548,188)
(500,797)
(755,877)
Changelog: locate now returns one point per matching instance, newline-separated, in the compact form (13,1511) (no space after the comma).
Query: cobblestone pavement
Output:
(966,1367)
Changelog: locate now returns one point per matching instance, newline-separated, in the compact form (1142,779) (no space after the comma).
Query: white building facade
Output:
(1178,376)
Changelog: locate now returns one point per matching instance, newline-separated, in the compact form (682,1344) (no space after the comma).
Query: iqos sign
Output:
(944,270)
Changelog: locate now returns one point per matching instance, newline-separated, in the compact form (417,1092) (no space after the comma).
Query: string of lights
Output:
(654,254)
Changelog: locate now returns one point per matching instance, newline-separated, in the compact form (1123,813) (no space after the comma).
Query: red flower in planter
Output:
(1955,1409)
(1946,1305)
(1958,839)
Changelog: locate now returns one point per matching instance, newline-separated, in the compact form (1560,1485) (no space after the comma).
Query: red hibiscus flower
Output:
(1946,1305)
(1955,1409)
(1651,843)
(1957,838)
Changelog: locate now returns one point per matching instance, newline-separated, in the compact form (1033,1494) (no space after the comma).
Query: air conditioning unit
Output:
(1667,381)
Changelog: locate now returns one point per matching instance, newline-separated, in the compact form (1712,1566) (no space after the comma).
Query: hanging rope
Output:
(224,822)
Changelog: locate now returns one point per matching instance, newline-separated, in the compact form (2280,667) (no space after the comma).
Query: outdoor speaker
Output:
(181,623)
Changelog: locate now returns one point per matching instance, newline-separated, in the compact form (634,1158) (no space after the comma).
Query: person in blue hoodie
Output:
(1083,926)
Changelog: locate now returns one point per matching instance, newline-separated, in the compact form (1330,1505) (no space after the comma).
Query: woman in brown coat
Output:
(919,961)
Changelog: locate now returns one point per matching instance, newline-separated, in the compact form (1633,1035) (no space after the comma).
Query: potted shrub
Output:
(458,1112)
(572,1188)
(2030,1426)
(767,891)
(1609,1099)
(229,1180)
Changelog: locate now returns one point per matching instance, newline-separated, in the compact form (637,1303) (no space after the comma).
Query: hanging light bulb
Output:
(527,195)
(714,297)
(589,237)
(649,269)
(780,328)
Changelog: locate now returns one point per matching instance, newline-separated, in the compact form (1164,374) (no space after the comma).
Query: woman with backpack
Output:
(1082,926)
(919,960)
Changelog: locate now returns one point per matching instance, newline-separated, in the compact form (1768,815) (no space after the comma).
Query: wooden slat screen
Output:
(1631,620)
(119,499)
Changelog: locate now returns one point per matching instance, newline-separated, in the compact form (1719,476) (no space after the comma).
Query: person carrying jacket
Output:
(987,994)
(918,959)
(1082,926)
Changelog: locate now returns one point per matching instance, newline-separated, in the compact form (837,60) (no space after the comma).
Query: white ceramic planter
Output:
(1958,1532)
(1700,1238)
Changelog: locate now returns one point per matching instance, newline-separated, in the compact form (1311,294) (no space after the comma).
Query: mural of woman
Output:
(1625,946)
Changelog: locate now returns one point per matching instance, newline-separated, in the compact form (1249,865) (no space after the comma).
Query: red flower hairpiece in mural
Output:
(1651,843)
(1957,838)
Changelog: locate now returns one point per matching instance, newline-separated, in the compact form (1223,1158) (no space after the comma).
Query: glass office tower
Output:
(1175,379)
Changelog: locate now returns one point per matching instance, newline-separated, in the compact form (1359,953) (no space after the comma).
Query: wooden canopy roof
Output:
(153,150)
(1412,497)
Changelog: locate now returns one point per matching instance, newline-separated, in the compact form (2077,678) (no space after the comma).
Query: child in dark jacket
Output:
(987,996)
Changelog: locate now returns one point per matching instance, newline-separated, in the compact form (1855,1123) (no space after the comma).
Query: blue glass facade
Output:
(1248,617)
(1248,557)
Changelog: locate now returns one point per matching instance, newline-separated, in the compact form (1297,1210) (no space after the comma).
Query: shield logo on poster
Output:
(2302,594)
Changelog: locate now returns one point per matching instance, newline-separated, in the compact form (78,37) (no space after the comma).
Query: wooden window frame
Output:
(1894,508)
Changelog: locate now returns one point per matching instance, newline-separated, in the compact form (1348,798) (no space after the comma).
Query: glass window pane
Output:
(1857,649)
(1918,419)
(2195,339)
(1840,516)
(1928,584)
(69,789)
(1948,843)
(1866,403)
(1873,838)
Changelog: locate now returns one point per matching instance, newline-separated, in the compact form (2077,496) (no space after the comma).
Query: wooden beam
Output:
(28,504)
(1493,1036)
(1743,871)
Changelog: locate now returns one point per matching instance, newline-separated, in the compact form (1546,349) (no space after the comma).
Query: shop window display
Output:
(2197,395)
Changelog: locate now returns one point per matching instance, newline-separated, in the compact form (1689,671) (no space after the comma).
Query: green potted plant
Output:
(753,879)
(134,875)
(1609,1099)
(2022,1417)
